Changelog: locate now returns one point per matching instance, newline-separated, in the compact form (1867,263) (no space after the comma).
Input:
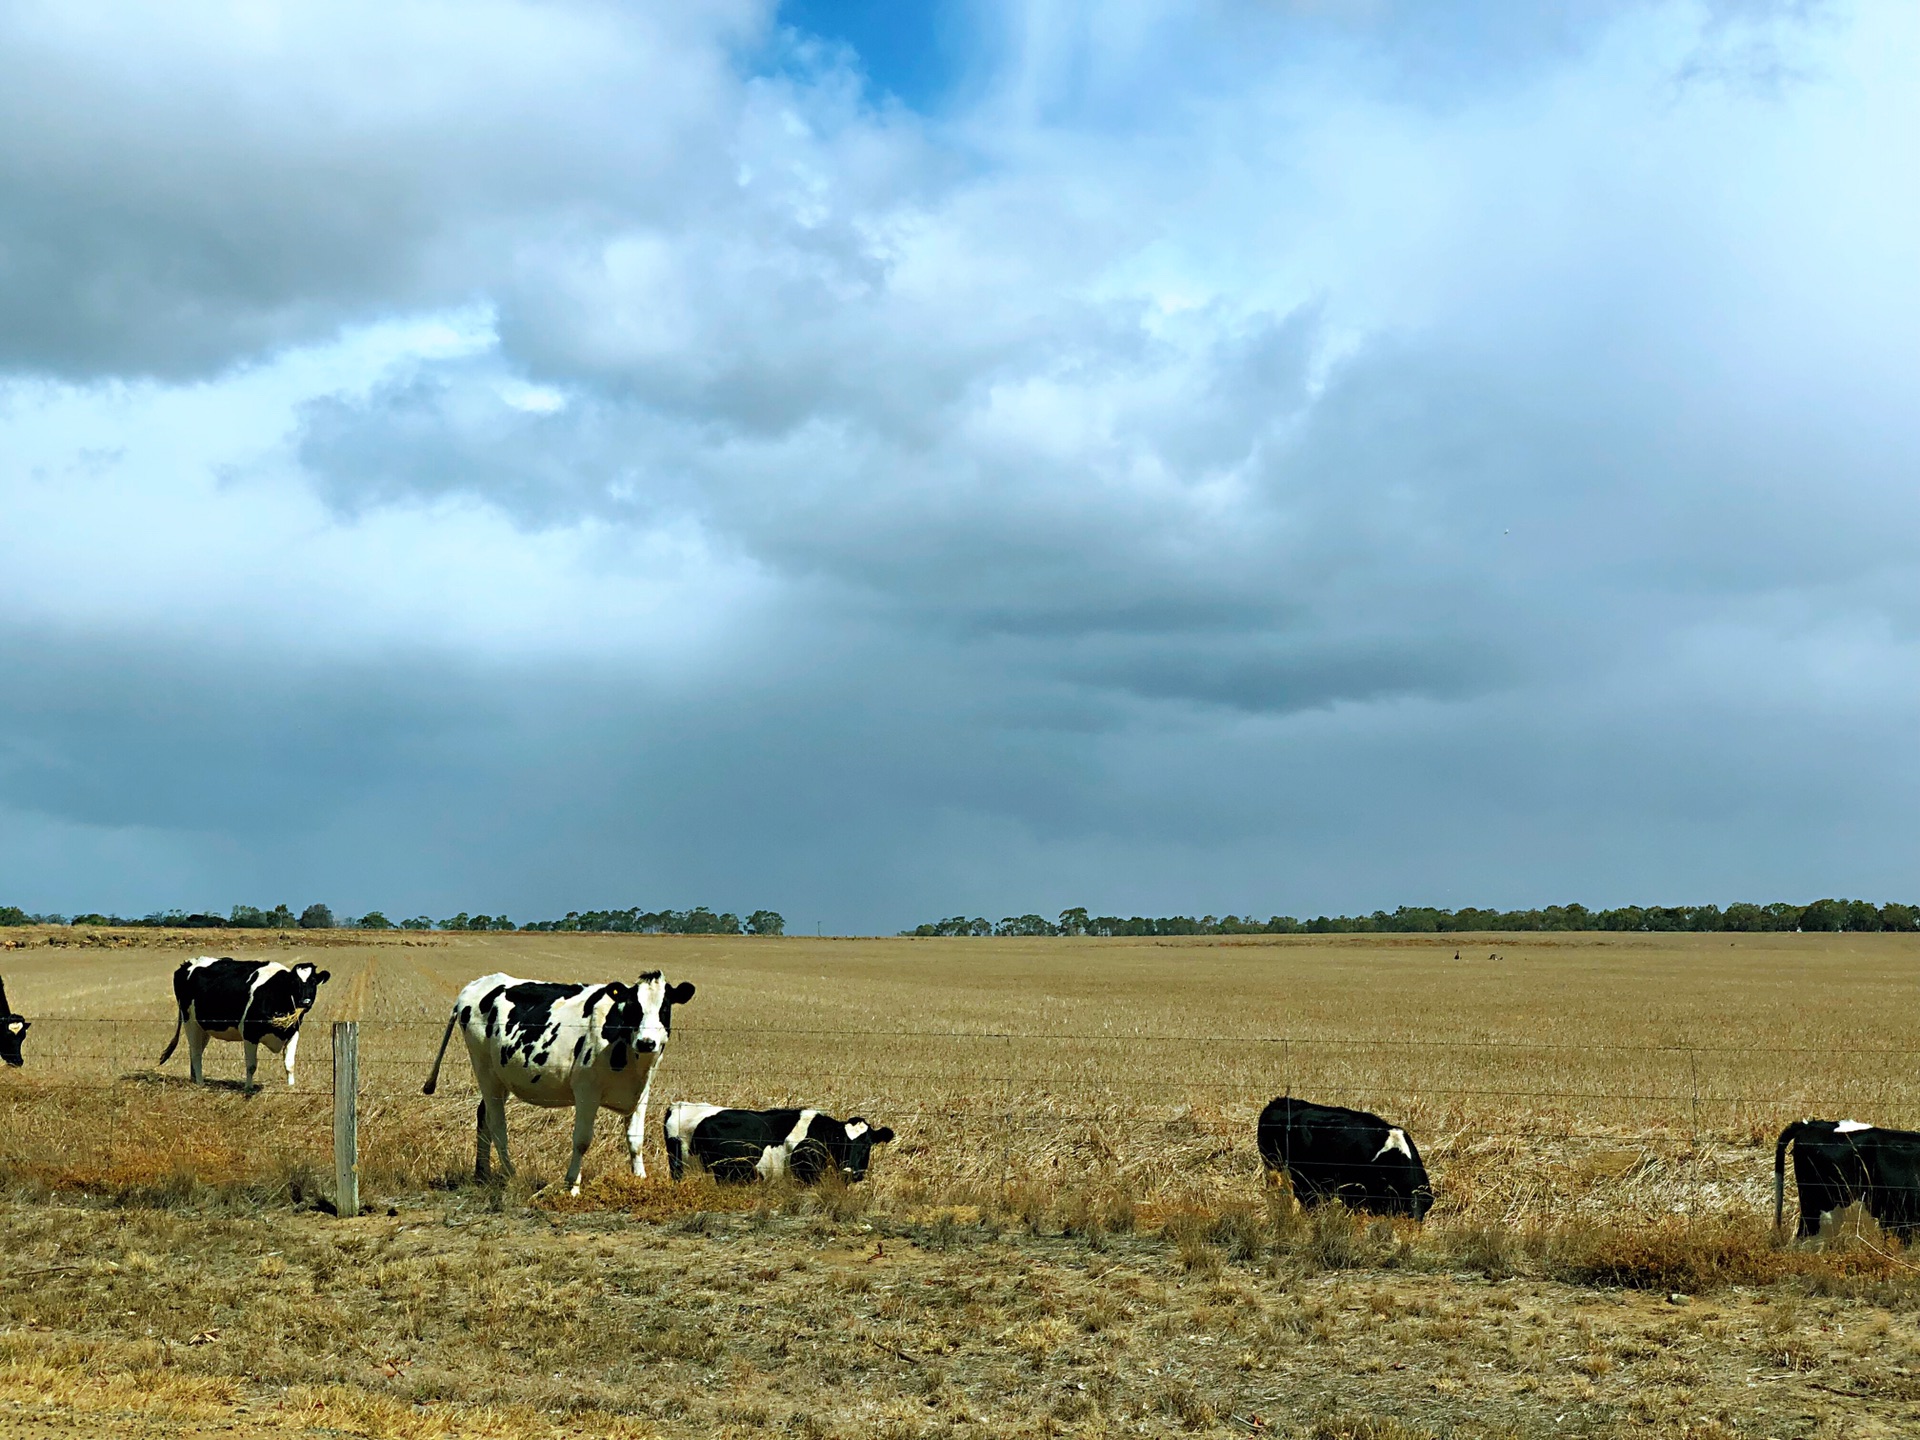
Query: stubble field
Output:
(1070,1234)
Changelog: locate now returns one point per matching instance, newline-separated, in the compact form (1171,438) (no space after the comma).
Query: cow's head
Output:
(861,1138)
(1402,1178)
(306,986)
(13,1029)
(640,1017)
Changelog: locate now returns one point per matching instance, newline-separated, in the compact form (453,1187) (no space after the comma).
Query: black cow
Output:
(13,1029)
(257,1002)
(1332,1153)
(739,1146)
(1836,1162)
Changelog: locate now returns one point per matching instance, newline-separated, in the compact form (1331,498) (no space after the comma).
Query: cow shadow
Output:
(153,1079)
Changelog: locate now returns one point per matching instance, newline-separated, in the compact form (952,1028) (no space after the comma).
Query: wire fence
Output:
(1504,1124)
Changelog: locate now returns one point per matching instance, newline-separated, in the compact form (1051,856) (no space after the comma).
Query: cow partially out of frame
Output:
(1332,1153)
(554,1045)
(1838,1162)
(13,1030)
(257,1002)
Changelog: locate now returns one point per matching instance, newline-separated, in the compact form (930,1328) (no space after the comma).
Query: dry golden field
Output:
(1070,1234)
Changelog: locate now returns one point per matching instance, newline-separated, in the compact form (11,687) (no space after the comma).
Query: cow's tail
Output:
(180,1019)
(1787,1137)
(433,1080)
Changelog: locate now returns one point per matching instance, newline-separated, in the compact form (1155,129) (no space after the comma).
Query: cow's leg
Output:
(252,1049)
(482,1144)
(196,1051)
(637,1140)
(493,1127)
(293,1044)
(586,1109)
(637,1130)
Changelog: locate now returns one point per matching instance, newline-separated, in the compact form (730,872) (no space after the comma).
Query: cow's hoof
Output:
(575,1191)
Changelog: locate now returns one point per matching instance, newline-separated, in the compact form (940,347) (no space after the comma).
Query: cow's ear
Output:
(681,993)
(323,977)
(880,1136)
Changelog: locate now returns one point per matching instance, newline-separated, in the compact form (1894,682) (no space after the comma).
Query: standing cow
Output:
(553,1045)
(1836,1162)
(1332,1153)
(257,1002)
(13,1030)
(739,1146)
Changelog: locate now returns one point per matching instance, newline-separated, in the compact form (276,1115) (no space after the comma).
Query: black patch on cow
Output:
(490,1008)
(529,1013)
(621,1024)
(730,1143)
(1833,1168)
(1332,1153)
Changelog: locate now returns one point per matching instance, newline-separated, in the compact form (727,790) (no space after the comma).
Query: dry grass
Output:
(1075,1177)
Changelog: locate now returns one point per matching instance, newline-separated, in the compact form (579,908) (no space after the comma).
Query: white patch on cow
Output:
(857,1129)
(1396,1140)
(683,1117)
(775,1159)
(1847,1127)
(260,977)
(15,1026)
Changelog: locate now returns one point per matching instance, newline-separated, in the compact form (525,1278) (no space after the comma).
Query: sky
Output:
(880,462)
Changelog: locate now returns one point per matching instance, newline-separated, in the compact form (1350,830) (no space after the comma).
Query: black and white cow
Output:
(738,1146)
(13,1029)
(257,1002)
(1836,1162)
(553,1045)
(1332,1153)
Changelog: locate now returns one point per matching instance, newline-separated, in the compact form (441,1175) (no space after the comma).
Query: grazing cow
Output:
(257,1002)
(1332,1153)
(1836,1162)
(13,1029)
(556,1044)
(738,1146)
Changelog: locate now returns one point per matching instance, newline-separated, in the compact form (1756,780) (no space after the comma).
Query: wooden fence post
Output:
(346,1117)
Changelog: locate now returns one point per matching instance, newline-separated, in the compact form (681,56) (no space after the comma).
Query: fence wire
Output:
(1515,1123)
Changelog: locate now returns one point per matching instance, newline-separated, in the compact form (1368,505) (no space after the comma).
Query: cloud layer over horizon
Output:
(1303,458)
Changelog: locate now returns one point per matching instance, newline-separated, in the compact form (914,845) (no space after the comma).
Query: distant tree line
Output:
(697,921)
(1827,915)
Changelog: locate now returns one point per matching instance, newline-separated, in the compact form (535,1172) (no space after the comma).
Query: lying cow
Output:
(553,1045)
(738,1146)
(13,1029)
(1332,1153)
(1836,1162)
(257,1002)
